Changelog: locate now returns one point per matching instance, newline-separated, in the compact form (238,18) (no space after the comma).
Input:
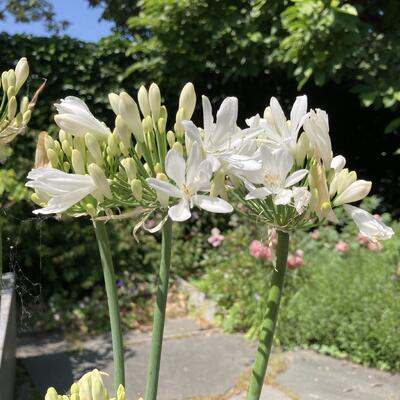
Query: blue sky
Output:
(84,21)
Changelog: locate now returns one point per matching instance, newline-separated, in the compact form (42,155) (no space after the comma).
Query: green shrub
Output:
(343,304)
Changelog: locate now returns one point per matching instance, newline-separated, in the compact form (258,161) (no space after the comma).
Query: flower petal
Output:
(259,193)
(164,187)
(368,224)
(180,212)
(283,197)
(212,204)
(297,176)
(175,167)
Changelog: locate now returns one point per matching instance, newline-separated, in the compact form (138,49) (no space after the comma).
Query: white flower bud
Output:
(78,163)
(53,158)
(130,113)
(170,138)
(23,105)
(122,131)
(143,99)
(12,108)
(355,192)
(4,81)
(21,73)
(187,99)
(26,117)
(161,124)
(100,180)
(162,197)
(11,92)
(130,168)
(178,147)
(113,98)
(338,163)
(301,149)
(155,101)
(11,78)
(48,142)
(66,148)
(51,394)
(94,149)
(112,143)
(137,189)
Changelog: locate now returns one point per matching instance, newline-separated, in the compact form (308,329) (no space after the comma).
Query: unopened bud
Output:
(301,149)
(187,100)
(170,138)
(178,147)
(79,144)
(66,166)
(122,131)
(51,394)
(112,143)
(162,123)
(137,189)
(218,186)
(11,78)
(11,92)
(130,168)
(4,81)
(53,158)
(120,393)
(163,112)
(91,210)
(23,105)
(66,148)
(21,73)
(94,149)
(130,113)
(26,117)
(147,124)
(100,180)
(113,98)
(143,99)
(37,199)
(78,163)
(155,101)
(99,391)
(48,142)
(157,168)
(12,108)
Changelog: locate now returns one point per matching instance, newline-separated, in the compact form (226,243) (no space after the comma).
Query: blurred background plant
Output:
(344,55)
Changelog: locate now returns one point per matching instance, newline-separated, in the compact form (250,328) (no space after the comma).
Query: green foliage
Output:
(342,304)
(32,11)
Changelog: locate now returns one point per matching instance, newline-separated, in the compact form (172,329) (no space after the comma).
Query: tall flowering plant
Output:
(277,172)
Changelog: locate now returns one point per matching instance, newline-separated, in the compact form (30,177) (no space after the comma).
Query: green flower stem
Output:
(271,316)
(112,299)
(159,314)
(1,261)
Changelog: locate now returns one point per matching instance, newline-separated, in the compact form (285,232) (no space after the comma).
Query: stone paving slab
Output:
(314,376)
(194,362)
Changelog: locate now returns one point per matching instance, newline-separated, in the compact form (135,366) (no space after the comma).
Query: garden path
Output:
(201,363)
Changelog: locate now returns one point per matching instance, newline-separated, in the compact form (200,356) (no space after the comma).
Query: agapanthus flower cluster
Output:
(276,171)
(14,113)
(89,387)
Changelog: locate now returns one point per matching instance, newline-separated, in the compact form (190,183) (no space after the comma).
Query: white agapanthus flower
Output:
(226,146)
(75,118)
(191,176)
(279,132)
(62,190)
(368,224)
(316,127)
(275,178)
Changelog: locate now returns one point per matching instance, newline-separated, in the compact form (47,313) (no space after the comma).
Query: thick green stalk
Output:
(112,299)
(271,316)
(153,369)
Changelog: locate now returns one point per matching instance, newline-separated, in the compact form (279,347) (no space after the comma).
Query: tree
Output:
(33,10)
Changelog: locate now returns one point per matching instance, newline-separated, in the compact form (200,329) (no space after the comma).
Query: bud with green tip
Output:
(218,187)
(143,99)
(301,149)
(161,125)
(11,92)
(99,391)
(157,168)
(112,143)
(23,105)
(155,101)
(94,149)
(122,131)
(187,100)
(48,142)
(138,151)
(26,117)
(100,180)
(79,144)
(137,189)
(147,124)
(4,81)
(67,149)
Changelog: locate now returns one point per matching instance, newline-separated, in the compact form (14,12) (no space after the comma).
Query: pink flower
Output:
(342,247)
(295,260)
(374,246)
(216,238)
(259,250)
(315,234)
(362,239)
